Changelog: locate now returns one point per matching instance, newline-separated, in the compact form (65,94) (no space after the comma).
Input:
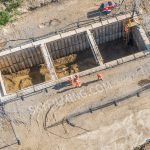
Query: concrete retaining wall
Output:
(20,60)
(109,32)
(138,38)
(68,45)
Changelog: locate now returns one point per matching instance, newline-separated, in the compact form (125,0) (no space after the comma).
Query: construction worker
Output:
(71,81)
(99,76)
(126,29)
(77,81)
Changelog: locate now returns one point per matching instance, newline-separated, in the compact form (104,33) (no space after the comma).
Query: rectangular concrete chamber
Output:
(71,54)
(112,41)
(23,68)
(83,50)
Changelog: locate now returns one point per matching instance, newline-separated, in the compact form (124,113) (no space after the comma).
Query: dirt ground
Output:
(48,19)
(25,78)
(116,49)
(64,66)
(123,127)
(74,63)
(114,128)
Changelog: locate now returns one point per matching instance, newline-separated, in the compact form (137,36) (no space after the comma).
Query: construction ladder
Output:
(128,25)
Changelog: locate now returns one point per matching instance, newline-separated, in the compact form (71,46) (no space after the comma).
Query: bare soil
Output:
(25,78)
(117,49)
(74,63)
(116,128)
(64,66)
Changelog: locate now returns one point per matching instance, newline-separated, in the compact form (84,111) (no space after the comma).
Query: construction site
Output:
(85,86)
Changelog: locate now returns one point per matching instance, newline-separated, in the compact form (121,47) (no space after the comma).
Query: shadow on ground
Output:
(94,13)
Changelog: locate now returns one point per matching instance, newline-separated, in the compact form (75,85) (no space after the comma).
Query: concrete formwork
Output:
(108,31)
(68,45)
(63,44)
(25,58)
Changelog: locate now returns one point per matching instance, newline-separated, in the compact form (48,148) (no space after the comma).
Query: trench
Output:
(69,55)
(112,44)
(23,69)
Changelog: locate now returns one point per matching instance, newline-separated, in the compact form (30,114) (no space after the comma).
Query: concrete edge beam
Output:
(146,52)
(111,64)
(26,91)
(145,38)
(112,20)
(128,58)
(105,22)
(2,85)
(67,34)
(140,54)
(121,17)
(119,61)
(96,25)
(48,61)
(8,97)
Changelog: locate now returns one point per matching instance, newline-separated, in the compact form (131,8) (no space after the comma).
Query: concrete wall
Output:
(138,38)
(109,32)
(20,60)
(68,45)
(141,38)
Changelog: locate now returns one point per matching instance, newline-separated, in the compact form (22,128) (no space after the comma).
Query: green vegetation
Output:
(10,10)
(4,17)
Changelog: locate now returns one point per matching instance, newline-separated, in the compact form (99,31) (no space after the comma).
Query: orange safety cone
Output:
(99,76)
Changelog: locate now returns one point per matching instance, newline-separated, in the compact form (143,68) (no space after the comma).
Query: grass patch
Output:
(4,17)
(10,10)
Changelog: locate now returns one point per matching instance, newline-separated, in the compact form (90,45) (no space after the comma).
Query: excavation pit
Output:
(71,55)
(117,49)
(24,69)
(114,43)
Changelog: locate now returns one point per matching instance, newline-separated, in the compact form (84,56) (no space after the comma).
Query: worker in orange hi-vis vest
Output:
(126,29)
(71,81)
(99,76)
(77,81)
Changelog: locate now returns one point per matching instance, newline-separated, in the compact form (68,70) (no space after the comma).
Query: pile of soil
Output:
(64,66)
(74,63)
(25,78)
